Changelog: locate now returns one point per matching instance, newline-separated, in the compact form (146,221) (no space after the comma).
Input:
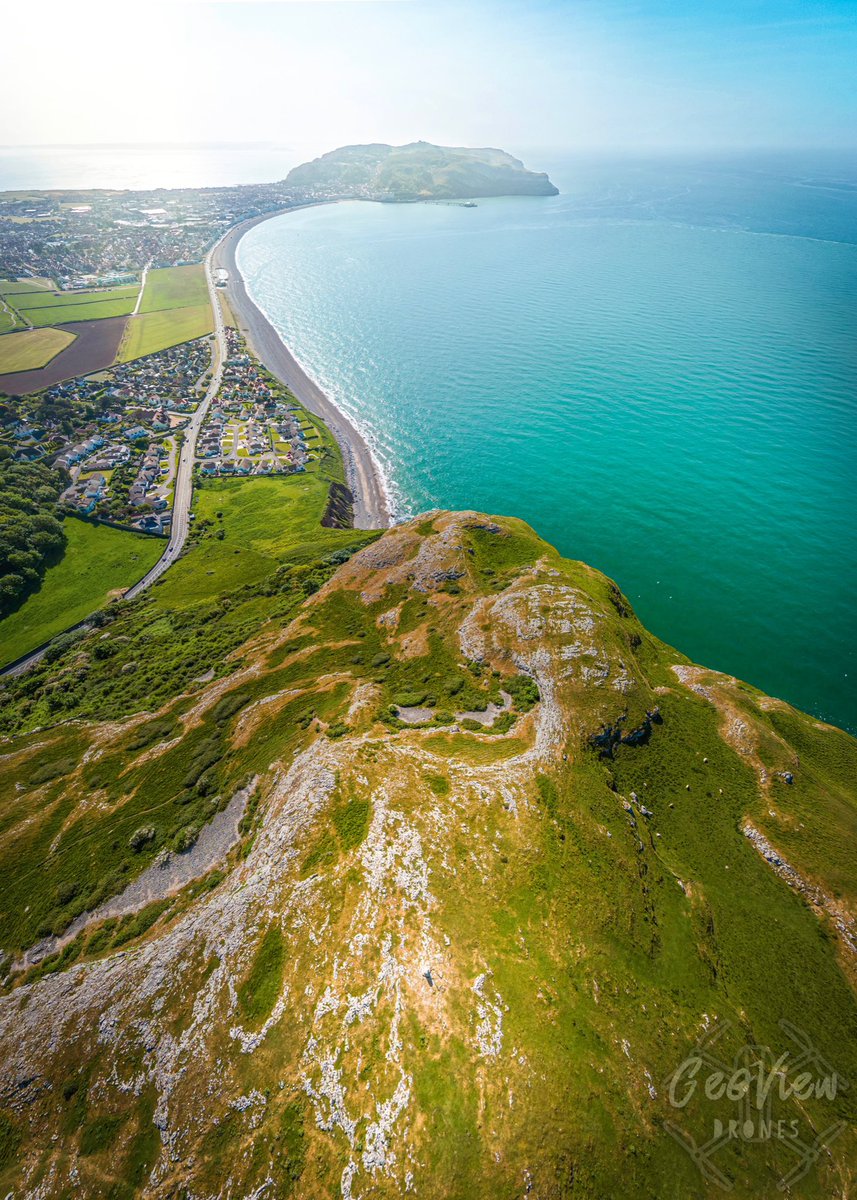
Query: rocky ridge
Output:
(452,961)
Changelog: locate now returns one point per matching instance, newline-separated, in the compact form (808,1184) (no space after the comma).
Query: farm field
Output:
(42,306)
(150,332)
(90,346)
(31,349)
(96,562)
(93,310)
(10,287)
(45,298)
(175,287)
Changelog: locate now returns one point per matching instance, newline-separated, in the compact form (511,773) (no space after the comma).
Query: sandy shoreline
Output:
(371,510)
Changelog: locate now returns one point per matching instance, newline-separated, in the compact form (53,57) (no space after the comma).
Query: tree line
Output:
(31,532)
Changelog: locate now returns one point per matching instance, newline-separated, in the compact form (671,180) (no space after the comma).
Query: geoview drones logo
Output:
(766,1096)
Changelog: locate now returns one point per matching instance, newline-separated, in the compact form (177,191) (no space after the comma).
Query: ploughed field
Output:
(174,308)
(93,349)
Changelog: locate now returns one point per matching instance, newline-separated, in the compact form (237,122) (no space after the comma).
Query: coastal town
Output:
(117,434)
(254,427)
(103,239)
(131,390)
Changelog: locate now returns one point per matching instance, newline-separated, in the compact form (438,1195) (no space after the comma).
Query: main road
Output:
(184,473)
(183,493)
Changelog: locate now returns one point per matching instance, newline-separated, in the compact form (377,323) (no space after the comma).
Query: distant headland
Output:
(417,171)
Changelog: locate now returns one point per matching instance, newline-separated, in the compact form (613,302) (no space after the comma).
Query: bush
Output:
(141,837)
(351,821)
(62,643)
(185,839)
(229,706)
(47,771)
(524,692)
(153,731)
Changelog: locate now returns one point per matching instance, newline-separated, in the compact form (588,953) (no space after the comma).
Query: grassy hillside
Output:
(454,948)
(97,561)
(418,171)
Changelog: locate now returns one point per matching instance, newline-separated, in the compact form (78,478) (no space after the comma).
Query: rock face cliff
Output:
(507,858)
(418,171)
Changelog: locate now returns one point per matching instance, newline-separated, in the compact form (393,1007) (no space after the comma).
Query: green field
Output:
(61,313)
(97,561)
(9,287)
(51,299)
(44,306)
(150,332)
(175,287)
(31,348)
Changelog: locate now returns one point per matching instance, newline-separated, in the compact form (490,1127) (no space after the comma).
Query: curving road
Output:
(184,468)
(184,475)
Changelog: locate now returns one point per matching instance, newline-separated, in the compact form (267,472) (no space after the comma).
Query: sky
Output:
(314,74)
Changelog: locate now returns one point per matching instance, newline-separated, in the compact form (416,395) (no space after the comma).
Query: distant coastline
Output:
(371,504)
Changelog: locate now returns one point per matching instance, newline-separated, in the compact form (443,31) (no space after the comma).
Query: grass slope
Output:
(31,349)
(256,551)
(507,942)
(97,561)
(147,333)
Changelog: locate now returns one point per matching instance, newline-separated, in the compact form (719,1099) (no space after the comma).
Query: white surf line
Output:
(142,288)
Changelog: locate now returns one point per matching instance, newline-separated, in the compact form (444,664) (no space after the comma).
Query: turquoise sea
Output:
(657,369)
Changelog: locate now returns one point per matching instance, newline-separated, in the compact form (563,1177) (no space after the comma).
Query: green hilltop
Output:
(498,859)
(418,171)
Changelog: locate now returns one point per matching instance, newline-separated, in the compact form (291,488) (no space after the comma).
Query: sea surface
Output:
(141,167)
(657,369)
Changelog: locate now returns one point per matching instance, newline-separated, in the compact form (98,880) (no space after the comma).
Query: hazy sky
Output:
(313,75)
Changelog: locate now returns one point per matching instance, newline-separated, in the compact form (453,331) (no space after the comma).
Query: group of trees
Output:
(31,532)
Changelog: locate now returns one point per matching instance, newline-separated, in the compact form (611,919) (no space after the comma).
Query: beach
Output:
(371,509)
